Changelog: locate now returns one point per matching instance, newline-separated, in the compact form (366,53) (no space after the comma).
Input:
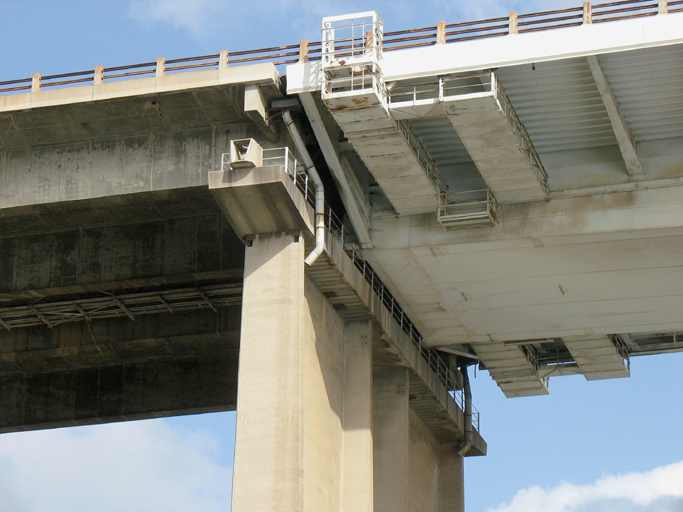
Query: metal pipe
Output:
(356,215)
(319,189)
(468,411)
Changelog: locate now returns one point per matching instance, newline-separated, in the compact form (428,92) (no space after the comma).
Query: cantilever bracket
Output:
(256,107)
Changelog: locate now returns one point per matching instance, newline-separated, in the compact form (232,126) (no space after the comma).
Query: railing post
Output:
(98,76)
(513,26)
(441,32)
(663,7)
(161,67)
(587,13)
(35,82)
(303,50)
(223,59)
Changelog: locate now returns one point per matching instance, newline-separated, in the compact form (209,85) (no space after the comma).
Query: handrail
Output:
(396,40)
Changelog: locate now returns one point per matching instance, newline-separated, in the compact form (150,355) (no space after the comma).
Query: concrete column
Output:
(357,458)
(451,480)
(391,430)
(268,469)
(412,472)
(304,391)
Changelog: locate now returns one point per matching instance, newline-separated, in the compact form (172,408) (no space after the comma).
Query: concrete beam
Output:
(256,107)
(621,129)
(72,168)
(619,215)
(121,392)
(84,260)
(151,337)
(114,369)
(265,74)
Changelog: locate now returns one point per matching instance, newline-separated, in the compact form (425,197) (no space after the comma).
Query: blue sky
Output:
(600,446)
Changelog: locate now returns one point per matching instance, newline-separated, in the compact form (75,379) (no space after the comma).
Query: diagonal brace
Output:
(621,129)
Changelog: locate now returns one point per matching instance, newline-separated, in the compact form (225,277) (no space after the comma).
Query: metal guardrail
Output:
(467,209)
(523,137)
(623,350)
(396,40)
(531,354)
(351,55)
(422,155)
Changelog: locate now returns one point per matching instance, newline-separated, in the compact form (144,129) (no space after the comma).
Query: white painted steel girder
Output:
(597,357)
(388,156)
(493,142)
(511,369)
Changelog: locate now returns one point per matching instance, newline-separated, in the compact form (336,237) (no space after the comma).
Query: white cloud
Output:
(196,16)
(660,489)
(132,466)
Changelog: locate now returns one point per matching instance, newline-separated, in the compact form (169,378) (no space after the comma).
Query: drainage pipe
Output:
(356,215)
(319,189)
(468,411)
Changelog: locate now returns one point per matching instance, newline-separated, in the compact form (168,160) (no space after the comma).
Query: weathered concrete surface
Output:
(352,296)
(118,369)
(260,200)
(357,461)
(294,389)
(412,472)
(385,150)
(66,145)
(115,369)
(145,160)
(616,251)
(264,74)
(104,258)
(391,429)
(319,425)
(126,391)
(269,434)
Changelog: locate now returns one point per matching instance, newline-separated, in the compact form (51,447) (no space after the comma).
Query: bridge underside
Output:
(564,162)
(116,312)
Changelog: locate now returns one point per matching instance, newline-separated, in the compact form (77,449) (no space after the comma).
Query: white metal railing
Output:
(433,357)
(283,157)
(352,47)
(271,156)
(531,354)
(427,91)
(352,39)
(468,209)
(420,151)
(623,350)
(473,84)
(520,131)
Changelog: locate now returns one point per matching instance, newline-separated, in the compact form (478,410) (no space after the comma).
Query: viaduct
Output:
(325,236)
